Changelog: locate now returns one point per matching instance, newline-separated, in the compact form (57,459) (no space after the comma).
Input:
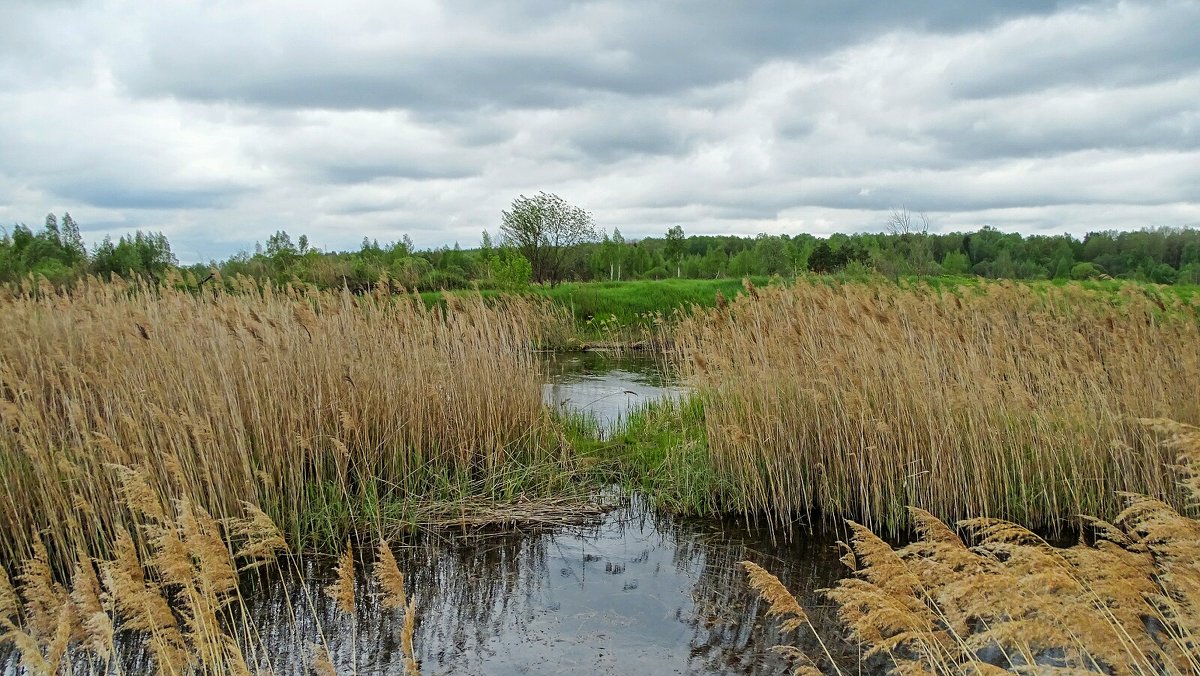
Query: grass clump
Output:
(999,400)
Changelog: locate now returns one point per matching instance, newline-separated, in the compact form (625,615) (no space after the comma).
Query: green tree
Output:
(675,246)
(546,230)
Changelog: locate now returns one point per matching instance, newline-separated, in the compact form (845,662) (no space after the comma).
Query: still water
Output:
(632,592)
(606,386)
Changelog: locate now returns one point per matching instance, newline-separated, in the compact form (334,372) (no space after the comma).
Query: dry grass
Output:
(1003,599)
(319,409)
(1003,400)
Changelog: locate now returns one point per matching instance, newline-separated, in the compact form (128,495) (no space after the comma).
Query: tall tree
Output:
(546,229)
(675,245)
(72,239)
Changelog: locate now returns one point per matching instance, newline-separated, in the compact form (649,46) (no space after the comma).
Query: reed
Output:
(1003,599)
(322,410)
(998,400)
(171,585)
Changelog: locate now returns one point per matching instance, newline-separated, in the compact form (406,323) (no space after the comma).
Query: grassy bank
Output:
(622,312)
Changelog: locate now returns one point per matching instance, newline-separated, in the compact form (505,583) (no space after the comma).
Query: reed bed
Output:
(322,409)
(1002,599)
(1001,400)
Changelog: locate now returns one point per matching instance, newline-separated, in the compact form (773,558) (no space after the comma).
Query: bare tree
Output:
(546,230)
(912,251)
(904,222)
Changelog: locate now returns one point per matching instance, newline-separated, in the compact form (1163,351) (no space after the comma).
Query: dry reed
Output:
(1002,400)
(319,409)
(1003,599)
(171,585)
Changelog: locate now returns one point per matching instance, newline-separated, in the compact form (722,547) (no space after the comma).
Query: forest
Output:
(57,254)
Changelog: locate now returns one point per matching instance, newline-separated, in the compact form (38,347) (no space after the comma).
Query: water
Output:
(605,386)
(634,591)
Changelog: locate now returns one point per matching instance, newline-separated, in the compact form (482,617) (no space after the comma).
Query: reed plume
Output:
(389,577)
(302,405)
(342,590)
(992,596)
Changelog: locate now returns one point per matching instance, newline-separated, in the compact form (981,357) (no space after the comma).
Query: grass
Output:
(660,450)
(153,441)
(620,312)
(1002,599)
(172,585)
(1000,400)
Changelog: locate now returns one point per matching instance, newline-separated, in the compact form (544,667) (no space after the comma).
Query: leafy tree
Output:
(546,229)
(956,263)
(72,239)
(675,246)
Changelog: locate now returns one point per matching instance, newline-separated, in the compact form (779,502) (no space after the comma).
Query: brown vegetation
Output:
(322,409)
(1001,400)
(1129,602)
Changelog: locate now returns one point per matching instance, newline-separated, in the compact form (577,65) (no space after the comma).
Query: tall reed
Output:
(1001,400)
(320,408)
(1003,599)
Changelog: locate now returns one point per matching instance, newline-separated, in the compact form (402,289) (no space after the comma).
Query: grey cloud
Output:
(635,49)
(1152,42)
(222,123)
(121,195)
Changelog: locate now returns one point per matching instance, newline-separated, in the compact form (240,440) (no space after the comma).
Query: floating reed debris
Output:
(1000,400)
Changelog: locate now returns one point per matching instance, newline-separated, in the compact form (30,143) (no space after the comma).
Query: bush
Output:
(1086,271)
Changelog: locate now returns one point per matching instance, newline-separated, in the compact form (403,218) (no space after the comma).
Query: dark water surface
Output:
(634,592)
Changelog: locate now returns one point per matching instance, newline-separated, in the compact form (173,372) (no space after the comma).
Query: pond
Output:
(606,386)
(633,591)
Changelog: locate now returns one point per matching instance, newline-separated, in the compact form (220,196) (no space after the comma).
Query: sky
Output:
(219,123)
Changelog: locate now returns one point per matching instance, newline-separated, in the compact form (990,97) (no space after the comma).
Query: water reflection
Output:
(606,386)
(635,593)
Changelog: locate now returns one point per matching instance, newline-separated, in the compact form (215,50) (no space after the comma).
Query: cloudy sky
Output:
(221,122)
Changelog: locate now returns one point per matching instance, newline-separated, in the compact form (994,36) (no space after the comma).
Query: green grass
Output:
(658,449)
(602,306)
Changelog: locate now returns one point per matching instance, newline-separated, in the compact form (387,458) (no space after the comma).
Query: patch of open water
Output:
(636,591)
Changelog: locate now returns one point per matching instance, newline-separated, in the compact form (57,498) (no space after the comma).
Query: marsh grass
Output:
(992,596)
(994,400)
(330,412)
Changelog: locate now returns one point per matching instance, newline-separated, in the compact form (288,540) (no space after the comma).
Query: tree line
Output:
(542,239)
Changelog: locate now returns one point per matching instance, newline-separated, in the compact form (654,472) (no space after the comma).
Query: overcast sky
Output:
(221,122)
